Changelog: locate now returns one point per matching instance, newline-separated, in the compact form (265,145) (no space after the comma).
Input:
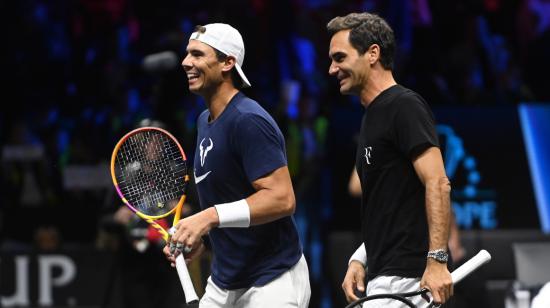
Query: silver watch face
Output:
(439,255)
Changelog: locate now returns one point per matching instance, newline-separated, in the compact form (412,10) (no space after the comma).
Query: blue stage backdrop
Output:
(485,158)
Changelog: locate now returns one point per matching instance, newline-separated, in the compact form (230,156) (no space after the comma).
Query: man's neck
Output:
(378,81)
(219,99)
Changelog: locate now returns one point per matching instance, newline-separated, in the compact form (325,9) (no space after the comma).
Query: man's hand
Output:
(354,280)
(190,229)
(438,280)
(195,252)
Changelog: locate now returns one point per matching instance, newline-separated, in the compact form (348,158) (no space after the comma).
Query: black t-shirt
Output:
(397,126)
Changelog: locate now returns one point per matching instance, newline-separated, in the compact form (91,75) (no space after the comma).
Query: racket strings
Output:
(151,172)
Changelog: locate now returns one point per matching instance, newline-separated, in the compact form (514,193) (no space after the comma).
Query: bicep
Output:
(429,165)
(274,197)
(278,179)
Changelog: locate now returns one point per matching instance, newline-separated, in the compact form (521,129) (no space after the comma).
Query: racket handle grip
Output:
(185,279)
(471,265)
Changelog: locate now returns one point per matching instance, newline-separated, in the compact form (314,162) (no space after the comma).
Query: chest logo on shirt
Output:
(368,151)
(204,151)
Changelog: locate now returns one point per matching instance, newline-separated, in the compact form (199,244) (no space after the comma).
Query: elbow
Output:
(445,185)
(289,205)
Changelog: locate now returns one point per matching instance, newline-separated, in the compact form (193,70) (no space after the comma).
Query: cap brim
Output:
(246,83)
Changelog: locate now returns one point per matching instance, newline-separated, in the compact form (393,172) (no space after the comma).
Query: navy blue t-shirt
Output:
(243,144)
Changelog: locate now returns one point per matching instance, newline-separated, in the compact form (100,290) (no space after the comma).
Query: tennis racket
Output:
(457,275)
(149,172)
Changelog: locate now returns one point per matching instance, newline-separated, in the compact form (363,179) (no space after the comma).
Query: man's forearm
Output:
(438,210)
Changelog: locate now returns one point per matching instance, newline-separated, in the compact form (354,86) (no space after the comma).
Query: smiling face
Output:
(203,68)
(347,65)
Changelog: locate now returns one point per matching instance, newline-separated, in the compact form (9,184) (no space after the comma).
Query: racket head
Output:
(149,172)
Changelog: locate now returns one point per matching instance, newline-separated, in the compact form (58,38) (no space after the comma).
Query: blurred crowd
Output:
(74,81)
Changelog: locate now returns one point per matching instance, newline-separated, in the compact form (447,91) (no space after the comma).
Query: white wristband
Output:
(234,214)
(359,255)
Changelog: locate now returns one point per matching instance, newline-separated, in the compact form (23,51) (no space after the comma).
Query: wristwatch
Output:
(440,255)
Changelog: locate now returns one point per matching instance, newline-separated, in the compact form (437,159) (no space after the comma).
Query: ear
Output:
(373,54)
(228,64)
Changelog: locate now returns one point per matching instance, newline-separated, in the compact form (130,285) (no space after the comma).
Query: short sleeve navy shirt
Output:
(243,144)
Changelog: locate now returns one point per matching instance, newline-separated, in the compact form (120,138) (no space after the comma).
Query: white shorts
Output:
(393,284)
(291,289)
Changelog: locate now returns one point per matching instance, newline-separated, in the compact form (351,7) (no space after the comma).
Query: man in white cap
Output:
(243,183)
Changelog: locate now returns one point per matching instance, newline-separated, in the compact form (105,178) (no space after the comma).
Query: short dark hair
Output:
(235,77)
(367,29)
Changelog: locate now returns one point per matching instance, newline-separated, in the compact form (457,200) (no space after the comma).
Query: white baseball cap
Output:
(226,39)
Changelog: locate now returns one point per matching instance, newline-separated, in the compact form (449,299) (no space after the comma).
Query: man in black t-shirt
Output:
(405,207)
